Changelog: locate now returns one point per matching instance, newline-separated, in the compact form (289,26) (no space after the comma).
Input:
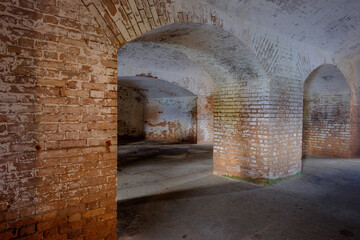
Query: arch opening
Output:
(154,109)
(227,74)
(326,121)
(217,51)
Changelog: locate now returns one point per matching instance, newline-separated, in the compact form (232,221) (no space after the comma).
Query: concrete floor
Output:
(168,192)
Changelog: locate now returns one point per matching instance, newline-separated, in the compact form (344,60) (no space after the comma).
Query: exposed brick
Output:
(110,6)
(50,19)
(32,15)
(92,213)
(58,111)
(326,115)
(75,217)
(27,230)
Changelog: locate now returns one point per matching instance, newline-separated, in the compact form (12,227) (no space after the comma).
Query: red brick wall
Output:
(257,133)
(58,115)
(327,125)
(241,146)
(355,123)
(58,122)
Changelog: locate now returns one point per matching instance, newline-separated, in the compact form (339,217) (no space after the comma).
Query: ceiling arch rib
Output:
(222,55)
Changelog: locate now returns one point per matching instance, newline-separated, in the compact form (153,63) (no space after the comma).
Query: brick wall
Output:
(58,115)
(326,113)
(257,134)
(58,122)
(158,110)
(355,121)
(241,140)
(164,62)
(171,119)
(205,119)
(285,127)
(327,125)
(131,104)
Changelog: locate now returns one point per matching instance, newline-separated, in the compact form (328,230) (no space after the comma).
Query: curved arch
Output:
(124,21)
(221,54)
(155,60)
(328,75)
(150,87)
(241,88)
(326,126)
(155,109)
(234,69)
(337,69)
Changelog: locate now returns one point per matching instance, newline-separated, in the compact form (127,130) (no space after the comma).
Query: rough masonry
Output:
(59,82)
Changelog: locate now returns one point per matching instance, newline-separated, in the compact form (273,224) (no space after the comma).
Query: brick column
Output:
(241,141)
(285,127)
(205,122)
(355,122)
(58,116)
(257,130)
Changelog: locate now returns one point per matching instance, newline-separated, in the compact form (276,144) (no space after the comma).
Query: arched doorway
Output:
(155,109)
(237,79)
(326,125)
(226,80)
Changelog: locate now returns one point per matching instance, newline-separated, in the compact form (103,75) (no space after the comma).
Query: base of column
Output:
(258,181)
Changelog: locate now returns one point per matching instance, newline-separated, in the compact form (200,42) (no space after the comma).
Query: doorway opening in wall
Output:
(165,129)
(161,147)
(182,116)
(326,122)
(157,136)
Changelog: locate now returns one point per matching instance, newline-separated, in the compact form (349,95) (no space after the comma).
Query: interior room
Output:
(186,119)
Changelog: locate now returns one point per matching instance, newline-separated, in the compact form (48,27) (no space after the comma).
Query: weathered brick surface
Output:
(131,105)
(327,121)
(58,114)
(133,18)
(241,139)
(171,119)
(58,123)
(326,125)
(355,122)
(285,127)
(257,134)
(167,118)
(205,119)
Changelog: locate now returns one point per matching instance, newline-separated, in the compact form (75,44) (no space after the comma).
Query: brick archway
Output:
(327,109)
(123,21)
(59,107)
(238,76)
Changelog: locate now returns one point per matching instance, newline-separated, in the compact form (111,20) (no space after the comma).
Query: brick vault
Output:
(240,71)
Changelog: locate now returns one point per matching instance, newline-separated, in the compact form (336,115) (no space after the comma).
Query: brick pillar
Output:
(205,113)
(257,131)
(285,127)
(58,117)
(241,141)
(355,122)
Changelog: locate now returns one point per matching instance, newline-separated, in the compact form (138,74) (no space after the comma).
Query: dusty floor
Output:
(168,192)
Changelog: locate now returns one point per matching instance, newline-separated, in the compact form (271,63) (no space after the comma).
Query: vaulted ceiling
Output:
(331,25)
